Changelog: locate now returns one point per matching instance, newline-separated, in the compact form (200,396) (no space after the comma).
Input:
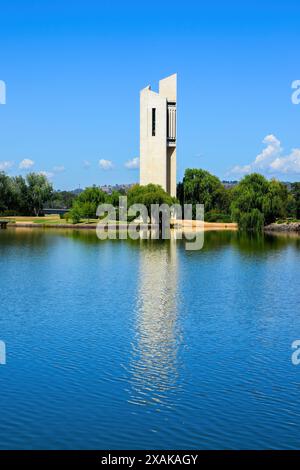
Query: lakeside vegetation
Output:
(253,203)
(24,196)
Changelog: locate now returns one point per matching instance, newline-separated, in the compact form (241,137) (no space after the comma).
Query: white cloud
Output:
(86,164)
(59,169)
(48,174)
(133,163)
(271,160)
(289,164)
(106,164)
(273,150)
(5,166)
(240,170)
(26,164)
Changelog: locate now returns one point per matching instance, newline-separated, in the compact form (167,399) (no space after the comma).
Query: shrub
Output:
(75,215)
(215,216)
(148,195)
(65,216)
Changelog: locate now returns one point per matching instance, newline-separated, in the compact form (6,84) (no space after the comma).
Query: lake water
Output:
(122,344)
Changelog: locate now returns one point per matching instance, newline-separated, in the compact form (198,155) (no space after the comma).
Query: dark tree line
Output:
(252,203)
(24,196)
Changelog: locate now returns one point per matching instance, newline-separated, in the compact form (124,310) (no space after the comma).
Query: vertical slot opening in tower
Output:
(153,121)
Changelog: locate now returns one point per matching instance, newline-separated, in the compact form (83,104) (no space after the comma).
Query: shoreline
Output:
(184,225)
(194,226)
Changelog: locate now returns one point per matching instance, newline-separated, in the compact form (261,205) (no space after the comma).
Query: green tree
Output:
(13,195)
(75,214)
(39,191)
(61,200)
(253,220)
(113,198)
(92,194)
(201,187)
(21,203)
(268,200)
(6,194)
(296,196)
(86,203)
(275,201)
(149,194)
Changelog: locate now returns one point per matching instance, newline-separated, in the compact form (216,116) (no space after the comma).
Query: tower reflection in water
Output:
(154,363)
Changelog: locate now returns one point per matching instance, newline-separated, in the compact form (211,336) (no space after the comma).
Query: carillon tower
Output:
(158,135)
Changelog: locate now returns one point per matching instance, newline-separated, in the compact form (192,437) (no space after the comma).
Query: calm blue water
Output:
(121,344)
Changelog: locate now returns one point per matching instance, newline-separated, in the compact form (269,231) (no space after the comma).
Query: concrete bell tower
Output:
(158,135)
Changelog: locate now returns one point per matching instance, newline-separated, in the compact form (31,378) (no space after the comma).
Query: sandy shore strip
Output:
(194,226)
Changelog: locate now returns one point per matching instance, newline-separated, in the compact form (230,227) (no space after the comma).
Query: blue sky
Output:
(73,72)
